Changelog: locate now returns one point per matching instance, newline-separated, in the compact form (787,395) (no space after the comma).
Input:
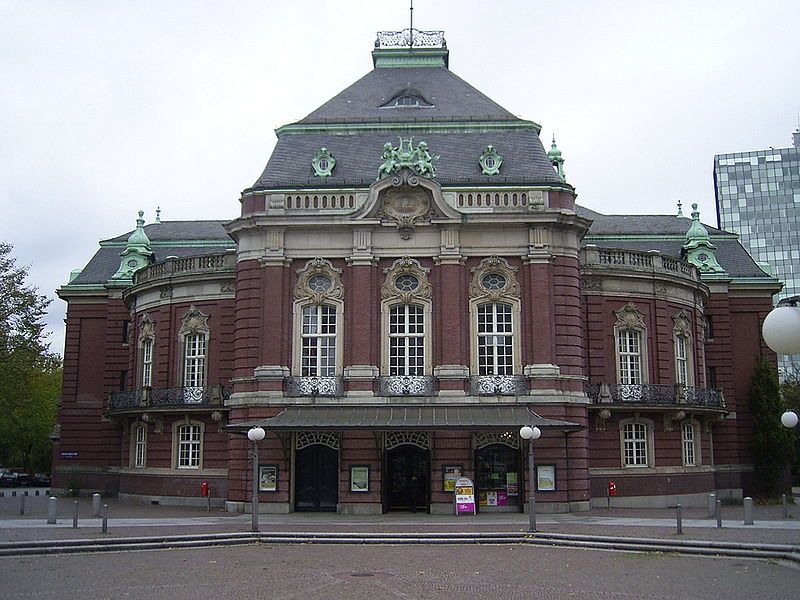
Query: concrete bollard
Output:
(22,505)
(95,505)
(719,513)
(679,516)
(748,511)
(105,518)
(712,505)
(75,516)
(785,506)
(52,505)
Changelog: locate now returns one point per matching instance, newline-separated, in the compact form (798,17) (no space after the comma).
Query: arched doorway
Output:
(316,473)
(407,472)
(497,472)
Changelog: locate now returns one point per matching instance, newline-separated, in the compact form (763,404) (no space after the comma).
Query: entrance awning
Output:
(404,417)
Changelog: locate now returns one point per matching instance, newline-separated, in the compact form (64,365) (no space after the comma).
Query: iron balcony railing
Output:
(314,386)
(209,395)
(406,385)
(498,385)
(652,394)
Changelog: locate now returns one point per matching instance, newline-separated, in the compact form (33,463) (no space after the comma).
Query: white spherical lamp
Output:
(256,434)
(789,419)
(781,330)
(530,433)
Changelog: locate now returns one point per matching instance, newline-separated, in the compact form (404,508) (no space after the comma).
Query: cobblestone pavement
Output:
(406,572)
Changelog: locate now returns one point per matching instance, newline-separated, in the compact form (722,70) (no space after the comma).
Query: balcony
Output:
(655,395)
(224,262)
(406,385)
(313,386)
(168,398)
(652,262)
(498,385)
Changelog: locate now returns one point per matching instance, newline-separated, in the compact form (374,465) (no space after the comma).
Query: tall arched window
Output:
(193,335)
(318,341)
(146,351)
(406,340)
(684,365)
(495,339)
(630,342)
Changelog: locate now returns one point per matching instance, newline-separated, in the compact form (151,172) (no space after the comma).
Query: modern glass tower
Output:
(758,197)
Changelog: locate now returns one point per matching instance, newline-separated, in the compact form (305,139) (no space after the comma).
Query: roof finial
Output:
(556,159)
(411,26)
(158,214)
(680,209)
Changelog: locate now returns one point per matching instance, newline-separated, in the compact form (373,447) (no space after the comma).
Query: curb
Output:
(785,552)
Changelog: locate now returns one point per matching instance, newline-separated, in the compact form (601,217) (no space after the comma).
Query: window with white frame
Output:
(635,444)
(681,360)
(406,340)
(147,363)
(194,360)
(630,345)
(318,353)
(140,446)
(689,443)
(189,445)
(495,339)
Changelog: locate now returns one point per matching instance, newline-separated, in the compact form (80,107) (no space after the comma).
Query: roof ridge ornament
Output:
(405,156)
(410,38)
(137,253)
(556,159)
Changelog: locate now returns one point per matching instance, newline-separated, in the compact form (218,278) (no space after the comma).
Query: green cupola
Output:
(698,248)
(137,253)
(554,154)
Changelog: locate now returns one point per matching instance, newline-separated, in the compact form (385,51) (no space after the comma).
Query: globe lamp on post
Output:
(255,435)
(781,331)
(531,434)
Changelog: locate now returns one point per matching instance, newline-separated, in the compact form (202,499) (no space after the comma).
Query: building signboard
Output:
(465,496)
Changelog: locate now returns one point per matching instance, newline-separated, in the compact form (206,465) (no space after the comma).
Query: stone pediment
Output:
(407,200)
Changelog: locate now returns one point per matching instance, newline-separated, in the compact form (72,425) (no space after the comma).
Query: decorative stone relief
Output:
(630,317)
(318,281)
(490,161)
(194,322)
(227,288)
(147,329)
(323,163)
(166,293)
(592,284)
(406,280)
(494,279)
(405,156)
(683,326)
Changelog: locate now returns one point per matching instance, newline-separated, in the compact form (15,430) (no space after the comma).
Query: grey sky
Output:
(111,107)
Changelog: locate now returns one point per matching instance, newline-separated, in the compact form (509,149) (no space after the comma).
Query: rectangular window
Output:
(495,340)
(635,444)
(194,360)
(140,451)
(318,354)
(189,447)
(681,360)
(629,349)
(147,363)
(688,445)
(406,340)
(126,331)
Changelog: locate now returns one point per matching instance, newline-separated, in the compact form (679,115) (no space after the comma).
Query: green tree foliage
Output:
(790,390)
(771,444)
(30,377)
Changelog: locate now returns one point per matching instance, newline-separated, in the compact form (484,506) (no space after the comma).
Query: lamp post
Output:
(255,435)
(531,434)
(781,331)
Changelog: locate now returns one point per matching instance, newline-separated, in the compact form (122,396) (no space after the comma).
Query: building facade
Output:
(407,283)
(758,197)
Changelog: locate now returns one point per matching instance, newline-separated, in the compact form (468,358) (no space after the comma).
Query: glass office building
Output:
(758,197)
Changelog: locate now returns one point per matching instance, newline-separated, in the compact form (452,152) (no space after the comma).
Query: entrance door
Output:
(407,475)
(316,478)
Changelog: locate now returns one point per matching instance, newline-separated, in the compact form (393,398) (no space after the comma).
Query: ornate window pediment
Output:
(406,281)
(630,317)
(494,279)
(683,325)
(194,322)
(319,281)
(490,161)
(147,329)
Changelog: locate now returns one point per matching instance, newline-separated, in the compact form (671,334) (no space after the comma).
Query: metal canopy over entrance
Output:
(404,417)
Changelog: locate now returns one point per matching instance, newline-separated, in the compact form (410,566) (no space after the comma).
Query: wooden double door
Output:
(407,472)
(316,479)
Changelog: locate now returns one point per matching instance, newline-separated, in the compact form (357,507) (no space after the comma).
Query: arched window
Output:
(495,318)
(193,335)
(630,342)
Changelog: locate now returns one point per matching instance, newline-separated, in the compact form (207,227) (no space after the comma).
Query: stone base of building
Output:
(360,508)
(552,508)
(274,508)
(698,500)
(195,501)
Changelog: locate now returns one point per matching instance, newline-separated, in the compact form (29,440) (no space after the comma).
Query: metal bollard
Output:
(748,511)
(712,505)
(105,518)
(785,506)
(95,505)
(22,505)
(719,513)
(75,517)
(52,505)
(680,519)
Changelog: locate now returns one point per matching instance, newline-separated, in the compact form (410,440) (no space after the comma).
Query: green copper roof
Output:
(137,253)
(698,248)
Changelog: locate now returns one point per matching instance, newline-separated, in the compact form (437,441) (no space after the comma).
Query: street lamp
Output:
(255,435)
(781,331)
(531,434)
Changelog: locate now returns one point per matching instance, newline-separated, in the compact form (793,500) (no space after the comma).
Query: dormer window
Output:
(408,99)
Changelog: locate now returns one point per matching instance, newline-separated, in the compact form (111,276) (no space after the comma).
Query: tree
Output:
(30,376)
(771,444)
(790,390)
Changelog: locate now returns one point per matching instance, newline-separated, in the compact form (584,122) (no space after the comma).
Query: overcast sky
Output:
(108,107)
